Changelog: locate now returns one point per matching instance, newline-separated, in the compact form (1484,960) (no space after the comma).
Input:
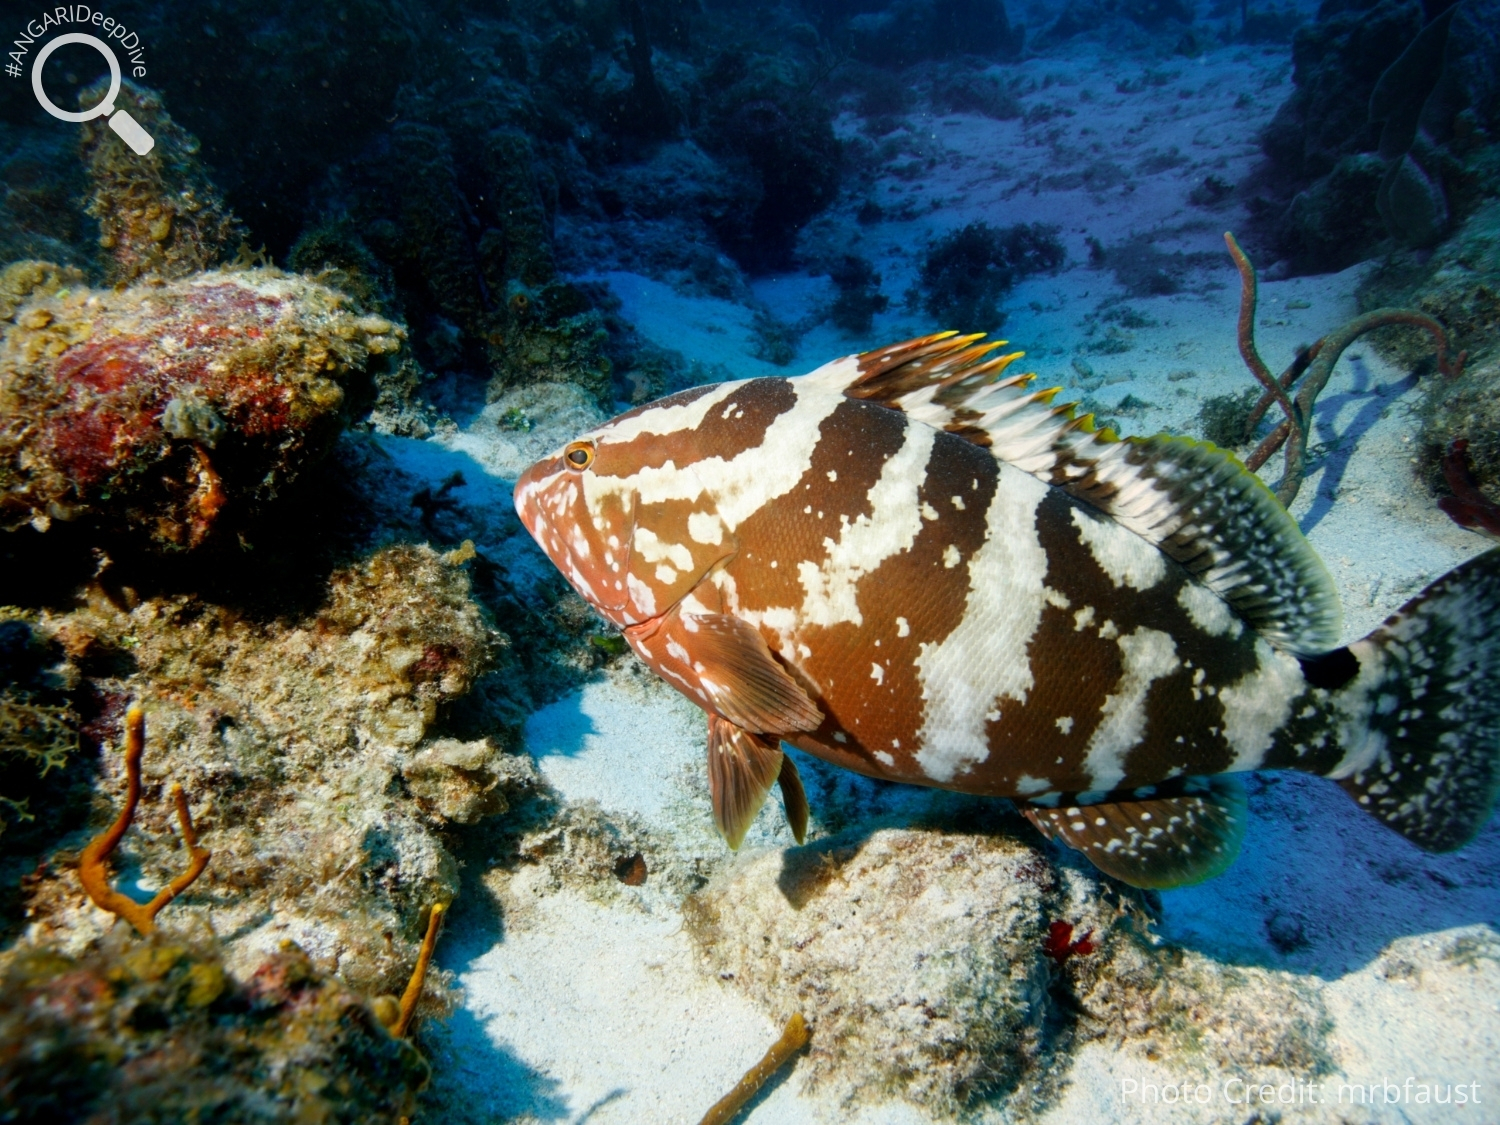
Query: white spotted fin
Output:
(1169,835)
(1194,501)
(741,767)
(1422,726)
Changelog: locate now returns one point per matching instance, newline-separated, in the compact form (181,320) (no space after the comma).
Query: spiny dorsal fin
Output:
(1169,835)
(1193,500)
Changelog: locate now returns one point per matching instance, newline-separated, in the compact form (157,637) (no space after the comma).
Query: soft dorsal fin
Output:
(1196,502)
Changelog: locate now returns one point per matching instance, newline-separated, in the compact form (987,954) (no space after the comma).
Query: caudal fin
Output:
(1426,700)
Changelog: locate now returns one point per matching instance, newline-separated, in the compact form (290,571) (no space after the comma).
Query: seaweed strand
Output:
(92,872)
(792,1040)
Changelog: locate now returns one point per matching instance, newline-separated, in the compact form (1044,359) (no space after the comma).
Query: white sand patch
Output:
(706,330)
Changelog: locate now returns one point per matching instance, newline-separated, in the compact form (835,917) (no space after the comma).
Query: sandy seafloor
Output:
(586,1012)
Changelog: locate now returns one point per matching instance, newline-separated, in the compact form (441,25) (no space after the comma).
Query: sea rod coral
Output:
(1317,362)
(91,872)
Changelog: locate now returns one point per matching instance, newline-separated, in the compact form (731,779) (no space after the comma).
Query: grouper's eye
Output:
(579,455)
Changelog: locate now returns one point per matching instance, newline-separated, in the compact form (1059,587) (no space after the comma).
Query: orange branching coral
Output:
(792,1040)
(91,865)
(413,991)
(1318,362)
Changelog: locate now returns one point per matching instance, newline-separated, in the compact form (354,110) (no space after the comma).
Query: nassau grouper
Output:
(912,565)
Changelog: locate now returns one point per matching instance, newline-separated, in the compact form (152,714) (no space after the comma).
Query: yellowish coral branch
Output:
(92,871)
(413,991)
(792,1040)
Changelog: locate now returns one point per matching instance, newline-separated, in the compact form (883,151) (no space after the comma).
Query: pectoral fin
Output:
(741,678)
(1167,836)
(742,766)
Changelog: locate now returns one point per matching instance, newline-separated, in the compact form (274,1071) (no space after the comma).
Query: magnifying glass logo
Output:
(127,128)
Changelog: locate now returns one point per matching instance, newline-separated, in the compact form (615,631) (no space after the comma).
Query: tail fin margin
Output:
(1428,765)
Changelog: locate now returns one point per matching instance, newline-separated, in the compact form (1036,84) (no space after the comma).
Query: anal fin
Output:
(1163,836)
(742,765)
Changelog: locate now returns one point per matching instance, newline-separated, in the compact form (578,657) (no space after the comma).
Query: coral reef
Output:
(859,296)
(984,94)
(781,138)
(1458,285)
(659,216)
(1468,506)
(1116,18)
(956,961)
(909,31)
(965,274)
(917,956)
(293,735)
(158,1030)
(279,91)
(158,214)
(482,269)
(1388,132)
(1465,409)
(40,180)
(38,729)
(162,408)
(21,281)
(1225,419)
(1143,269)
(464,782)
(1176,1004)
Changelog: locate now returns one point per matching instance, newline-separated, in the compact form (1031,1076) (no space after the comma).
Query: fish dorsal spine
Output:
(1193,500)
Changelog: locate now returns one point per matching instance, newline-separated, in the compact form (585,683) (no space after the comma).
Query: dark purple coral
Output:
(1467,507)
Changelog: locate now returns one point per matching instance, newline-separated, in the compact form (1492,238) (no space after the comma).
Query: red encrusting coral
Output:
(1059,944)
(161,406)
(1467,507)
